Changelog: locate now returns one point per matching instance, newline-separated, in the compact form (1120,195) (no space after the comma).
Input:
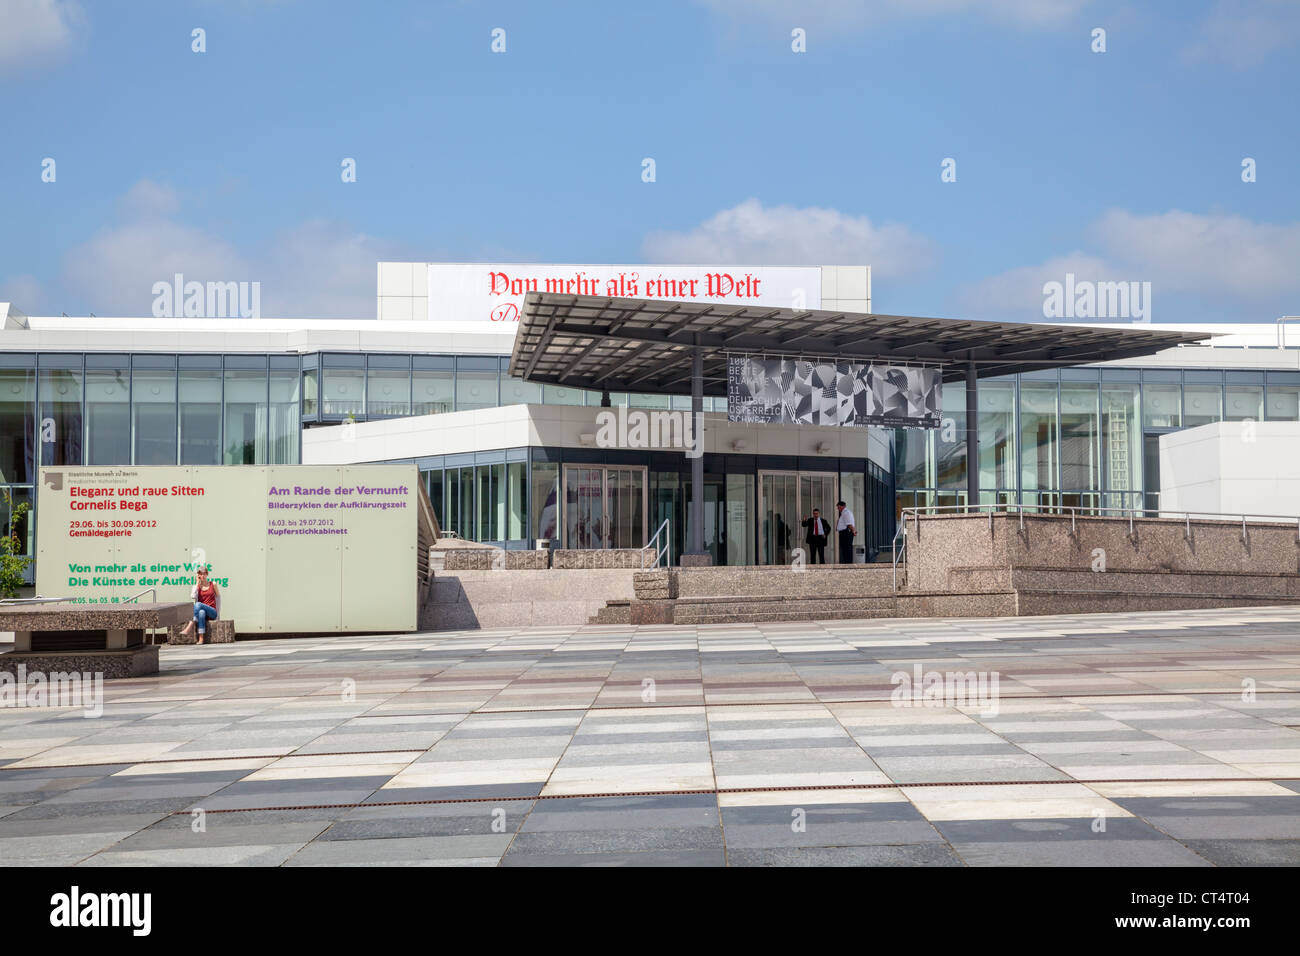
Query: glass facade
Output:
(580,497)
(1081,437)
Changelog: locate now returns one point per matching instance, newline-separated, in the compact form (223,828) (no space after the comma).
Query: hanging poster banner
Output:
(802,392)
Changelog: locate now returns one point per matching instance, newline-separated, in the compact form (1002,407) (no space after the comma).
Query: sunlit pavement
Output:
(1166,738)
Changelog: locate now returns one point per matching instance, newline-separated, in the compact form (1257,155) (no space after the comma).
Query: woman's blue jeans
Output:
(202,614)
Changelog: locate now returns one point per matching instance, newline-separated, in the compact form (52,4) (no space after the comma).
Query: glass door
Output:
(786,498)
(604,507)
(584,507)
(817,491)
(626,497)
(1151,473)
(778,507)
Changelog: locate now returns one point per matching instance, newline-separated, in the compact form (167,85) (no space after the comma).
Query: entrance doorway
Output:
(1151,473)
(604,506)
(785,499)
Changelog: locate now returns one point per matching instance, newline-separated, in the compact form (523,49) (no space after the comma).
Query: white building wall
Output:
(403,290)
(564,426)
(1249,468)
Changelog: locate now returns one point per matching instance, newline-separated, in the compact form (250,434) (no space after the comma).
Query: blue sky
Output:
(225,165)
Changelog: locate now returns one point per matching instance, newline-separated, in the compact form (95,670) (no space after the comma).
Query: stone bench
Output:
(220,631)
(87,637)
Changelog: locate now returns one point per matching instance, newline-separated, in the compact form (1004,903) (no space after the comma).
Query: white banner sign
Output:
(494,292)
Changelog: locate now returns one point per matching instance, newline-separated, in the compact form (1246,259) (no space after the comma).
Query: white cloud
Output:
(1216,255)
(34,30)
(115,270)
(324,269)
(1226,260)
(753,234)
(1017,294)
(1242,34)
(23,292)
(852,14)
(317,269)
(148,200)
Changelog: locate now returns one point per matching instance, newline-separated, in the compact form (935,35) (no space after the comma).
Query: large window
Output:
(153,408)
(432,389)
(740,520)
(199,388)
(491,502)
(1162,401)
(950,439)
(517,500)
(1245,402)
(1121,445)
(108,410)
(515,391)
(997,434)
(17,425)
(1202,397)
(477,382)
(1039,444)
(247,425)
(59,417)
(310,392)
(388,386)
(1284,401)
(459,484)
(283,440)
(343,381)
(555,395)
(545,500)
(912,458)
(1080,437)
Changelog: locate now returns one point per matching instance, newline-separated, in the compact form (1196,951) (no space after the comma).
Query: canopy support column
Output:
(972,439)
(696,555)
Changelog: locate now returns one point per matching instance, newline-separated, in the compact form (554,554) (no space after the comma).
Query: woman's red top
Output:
(208,595)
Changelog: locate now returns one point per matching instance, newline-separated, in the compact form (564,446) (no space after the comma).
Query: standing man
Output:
(848,530)
(819,530)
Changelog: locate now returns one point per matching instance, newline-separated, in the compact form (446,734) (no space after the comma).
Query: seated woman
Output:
(207,603)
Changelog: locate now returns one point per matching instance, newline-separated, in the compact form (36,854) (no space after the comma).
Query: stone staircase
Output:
(734,610)
(992,566)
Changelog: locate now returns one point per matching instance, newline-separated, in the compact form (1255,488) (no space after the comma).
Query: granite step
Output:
(746,609)
(614,612)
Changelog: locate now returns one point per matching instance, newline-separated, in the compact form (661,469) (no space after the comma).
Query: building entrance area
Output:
(785,499)
(604,506)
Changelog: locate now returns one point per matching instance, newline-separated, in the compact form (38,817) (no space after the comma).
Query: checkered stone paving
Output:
(1166,738)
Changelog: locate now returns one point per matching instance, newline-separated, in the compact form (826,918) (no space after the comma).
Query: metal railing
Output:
(136,597)
(663,551)
(1133,514)
(34,600)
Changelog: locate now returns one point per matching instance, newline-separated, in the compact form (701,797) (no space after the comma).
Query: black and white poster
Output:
(800,392)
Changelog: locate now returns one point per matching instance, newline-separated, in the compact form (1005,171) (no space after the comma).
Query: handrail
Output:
(1281,328)
(663,552)
(136,597)
(1063,510)
(900,553)
(902,530)
(35,600)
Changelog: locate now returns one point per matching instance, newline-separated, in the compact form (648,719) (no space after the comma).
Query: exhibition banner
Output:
(293,548)
(801,392)
(494,292)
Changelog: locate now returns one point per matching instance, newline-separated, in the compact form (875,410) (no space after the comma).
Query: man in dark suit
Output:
(819,530)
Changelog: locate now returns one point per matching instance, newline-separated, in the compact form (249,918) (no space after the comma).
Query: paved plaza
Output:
(1166,738)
